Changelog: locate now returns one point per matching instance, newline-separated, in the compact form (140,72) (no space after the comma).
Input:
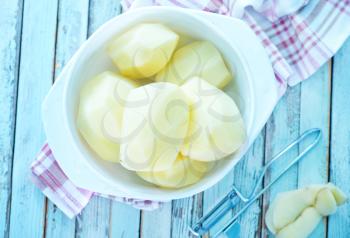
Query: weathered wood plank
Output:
(11,23)
(125,221)
(94,220)
(101,11)
(185,212)
(57,224)
(71,32)
(156,224)
(314,112)
(246,173)
(35,78)
(339,223)
(214,194)
(281,129)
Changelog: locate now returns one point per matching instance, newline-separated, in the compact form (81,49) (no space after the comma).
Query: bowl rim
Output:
(175,193)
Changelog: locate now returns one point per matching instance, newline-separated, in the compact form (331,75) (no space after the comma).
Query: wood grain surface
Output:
(38,37)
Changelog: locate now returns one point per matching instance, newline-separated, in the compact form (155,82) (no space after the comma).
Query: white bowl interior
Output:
(92,59)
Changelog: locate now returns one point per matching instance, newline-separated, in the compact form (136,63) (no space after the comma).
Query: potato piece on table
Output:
(303,226)
(287,206)
(296,213)
(339,196)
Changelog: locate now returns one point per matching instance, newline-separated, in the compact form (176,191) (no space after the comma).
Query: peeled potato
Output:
(339,195)
(216,127)
(143,50)
(200,59)
(287,207)
(100,113)
(325,202)
(303,226)
(155,122)
(183,172)
(297,213)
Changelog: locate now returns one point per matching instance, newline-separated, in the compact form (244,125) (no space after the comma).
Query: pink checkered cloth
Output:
(299,36)
(51,180)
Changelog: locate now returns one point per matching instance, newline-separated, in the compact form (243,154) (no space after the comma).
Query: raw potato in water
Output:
(155,123)
(100,113)
(216,127)
(183,172)
(143,50)
(199,58)
(295,214)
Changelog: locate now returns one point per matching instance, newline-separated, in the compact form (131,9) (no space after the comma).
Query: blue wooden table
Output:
(37,37)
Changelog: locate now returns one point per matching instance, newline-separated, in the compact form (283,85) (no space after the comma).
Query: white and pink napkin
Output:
(299,36)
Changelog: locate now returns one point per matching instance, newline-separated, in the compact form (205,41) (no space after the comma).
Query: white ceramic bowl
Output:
(92,59)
